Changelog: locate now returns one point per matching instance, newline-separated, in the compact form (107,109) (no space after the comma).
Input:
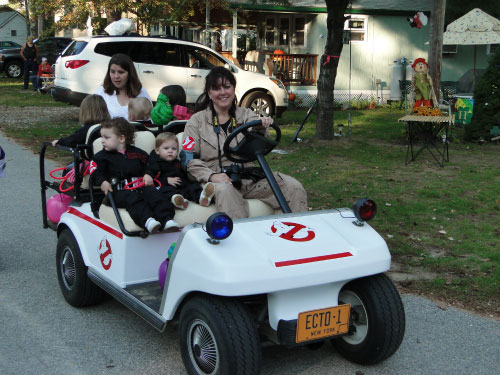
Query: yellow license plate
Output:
(316,324)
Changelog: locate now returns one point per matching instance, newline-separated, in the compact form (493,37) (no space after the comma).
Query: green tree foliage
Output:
(75,13)
(486,112)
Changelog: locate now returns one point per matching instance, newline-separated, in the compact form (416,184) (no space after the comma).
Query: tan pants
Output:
(232,201)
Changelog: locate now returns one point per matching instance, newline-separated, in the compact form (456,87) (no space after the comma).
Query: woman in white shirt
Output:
(120,84)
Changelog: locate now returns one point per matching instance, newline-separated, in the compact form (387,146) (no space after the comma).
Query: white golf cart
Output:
(289,279)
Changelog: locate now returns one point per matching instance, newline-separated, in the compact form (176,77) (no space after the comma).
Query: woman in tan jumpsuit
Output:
(203,155)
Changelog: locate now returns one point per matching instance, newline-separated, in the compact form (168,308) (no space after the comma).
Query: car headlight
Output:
(219,226)
(278,83)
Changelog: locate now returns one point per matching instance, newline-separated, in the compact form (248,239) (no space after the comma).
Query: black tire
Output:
(14,69)
(218,337)
(76,286)
(377,323)
(260,102)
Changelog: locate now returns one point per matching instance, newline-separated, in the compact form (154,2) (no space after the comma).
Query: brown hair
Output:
(167,136)
(134,85)
(175,93)
(93,110)
(212,83)
(120,126)
(139,108)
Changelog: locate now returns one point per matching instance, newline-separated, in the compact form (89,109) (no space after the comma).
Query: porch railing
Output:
(298,69)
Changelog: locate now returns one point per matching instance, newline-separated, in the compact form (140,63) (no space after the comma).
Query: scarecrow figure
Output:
(422,83)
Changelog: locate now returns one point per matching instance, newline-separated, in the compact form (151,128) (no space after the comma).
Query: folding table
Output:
(429,127)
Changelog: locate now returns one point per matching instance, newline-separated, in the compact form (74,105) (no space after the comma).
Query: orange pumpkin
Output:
(292,97)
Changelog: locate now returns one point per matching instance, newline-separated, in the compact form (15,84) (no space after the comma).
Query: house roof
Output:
(5,17)
(358,6)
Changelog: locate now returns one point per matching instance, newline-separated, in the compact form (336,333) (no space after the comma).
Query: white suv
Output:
(160,62)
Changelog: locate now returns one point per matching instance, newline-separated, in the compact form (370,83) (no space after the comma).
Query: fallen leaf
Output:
(390,236)
(433,218)
(451,238)
(388,204)
(442,231)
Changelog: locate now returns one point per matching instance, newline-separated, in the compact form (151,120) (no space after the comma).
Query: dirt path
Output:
(24,116)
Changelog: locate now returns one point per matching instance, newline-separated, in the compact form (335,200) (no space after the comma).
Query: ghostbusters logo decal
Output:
(188,144)
(292,231)
(93,167)
(105,253)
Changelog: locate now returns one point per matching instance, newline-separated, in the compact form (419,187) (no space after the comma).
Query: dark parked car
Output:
(12,63)
(4,44)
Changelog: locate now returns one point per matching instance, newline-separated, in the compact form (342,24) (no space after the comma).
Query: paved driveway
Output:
(41,334)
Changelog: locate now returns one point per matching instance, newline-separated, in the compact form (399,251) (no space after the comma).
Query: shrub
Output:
(486,112)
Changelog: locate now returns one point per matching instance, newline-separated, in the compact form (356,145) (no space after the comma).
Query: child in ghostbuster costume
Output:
(422,83)
(120,163)
(175,185)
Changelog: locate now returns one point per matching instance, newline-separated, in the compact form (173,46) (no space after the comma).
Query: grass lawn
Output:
(442,223)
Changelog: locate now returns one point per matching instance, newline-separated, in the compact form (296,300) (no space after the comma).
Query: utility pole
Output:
(436,43)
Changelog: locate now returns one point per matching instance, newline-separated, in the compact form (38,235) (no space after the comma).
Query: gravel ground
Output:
(24,116)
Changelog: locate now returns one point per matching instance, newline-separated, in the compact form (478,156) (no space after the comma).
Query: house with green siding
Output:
(370,66)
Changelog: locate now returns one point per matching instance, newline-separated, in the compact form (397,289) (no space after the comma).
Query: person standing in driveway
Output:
(29,53)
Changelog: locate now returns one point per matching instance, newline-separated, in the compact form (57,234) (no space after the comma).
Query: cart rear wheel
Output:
(377,323)
(218,336)
(76,287)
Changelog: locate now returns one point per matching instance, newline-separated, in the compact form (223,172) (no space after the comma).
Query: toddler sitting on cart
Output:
(119,168)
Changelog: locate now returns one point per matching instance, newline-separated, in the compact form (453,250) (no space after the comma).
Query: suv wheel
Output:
(259,102)
(14,69)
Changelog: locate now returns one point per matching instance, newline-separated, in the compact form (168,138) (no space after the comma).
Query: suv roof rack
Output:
(134,34)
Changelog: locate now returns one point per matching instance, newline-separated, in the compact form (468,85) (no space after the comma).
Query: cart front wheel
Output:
(377,323)
(76,287)
(218,336)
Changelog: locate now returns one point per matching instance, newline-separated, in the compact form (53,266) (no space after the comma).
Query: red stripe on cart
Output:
(312,260)
(113,231)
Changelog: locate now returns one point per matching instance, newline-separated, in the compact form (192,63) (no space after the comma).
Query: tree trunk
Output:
(328,67)
(436,43)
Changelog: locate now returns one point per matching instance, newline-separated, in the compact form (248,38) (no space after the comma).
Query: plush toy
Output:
(422,83)
(418,20)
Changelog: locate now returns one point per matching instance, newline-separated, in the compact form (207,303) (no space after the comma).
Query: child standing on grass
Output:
(120,163)
(139,111)
(176,187)
(93,110)
(169,97)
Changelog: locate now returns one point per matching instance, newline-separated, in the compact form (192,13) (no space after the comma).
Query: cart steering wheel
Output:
(252,144)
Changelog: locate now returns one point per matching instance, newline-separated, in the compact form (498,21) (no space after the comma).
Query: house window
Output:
(270,31)
(13,32)
(284,31)
(156,27)
(299,31)
(357,28)
(492,49)
(449,48)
